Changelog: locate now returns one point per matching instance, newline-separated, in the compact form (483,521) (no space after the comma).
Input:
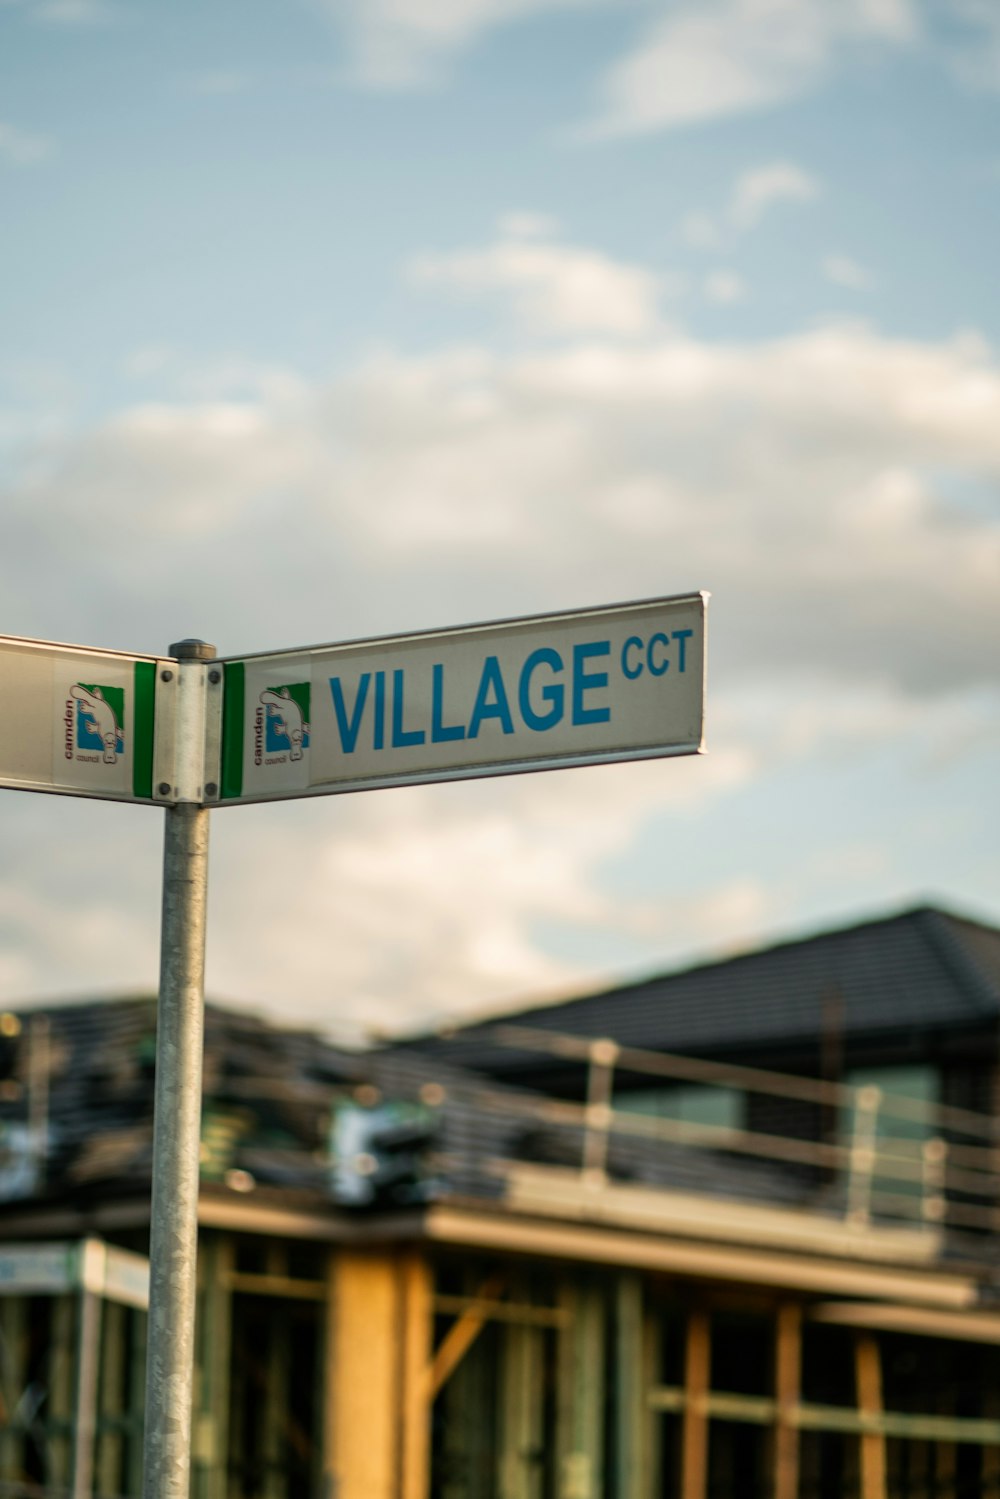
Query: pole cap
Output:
(192,650)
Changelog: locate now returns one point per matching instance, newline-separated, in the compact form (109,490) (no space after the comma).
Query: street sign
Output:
(76,721)
(581,688)
(622,683)
(54,1269)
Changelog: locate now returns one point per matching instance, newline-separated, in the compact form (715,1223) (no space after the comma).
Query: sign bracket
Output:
(187,746)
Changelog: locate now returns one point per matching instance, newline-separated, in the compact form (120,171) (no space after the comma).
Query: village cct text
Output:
(547,689)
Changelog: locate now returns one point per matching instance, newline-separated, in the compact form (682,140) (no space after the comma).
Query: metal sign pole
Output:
(584,687)
(177,1117)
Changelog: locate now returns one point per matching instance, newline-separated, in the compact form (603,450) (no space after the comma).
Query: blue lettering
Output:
(349,727)
(683,636)
(378,738)
(402,738)
(584,681)
(631,671)
(553,693)
(664,666)
(440,732)
(499,708)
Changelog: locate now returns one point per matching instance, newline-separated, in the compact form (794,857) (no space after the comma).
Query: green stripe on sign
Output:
(144,688)
(232,729)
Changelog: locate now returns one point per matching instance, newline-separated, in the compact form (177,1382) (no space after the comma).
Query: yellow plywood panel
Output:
(362,1365)
(377,1424)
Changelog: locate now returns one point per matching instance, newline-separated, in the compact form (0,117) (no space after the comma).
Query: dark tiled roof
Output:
(428,1121)
(92,1070)
(923,970)
(430,1130)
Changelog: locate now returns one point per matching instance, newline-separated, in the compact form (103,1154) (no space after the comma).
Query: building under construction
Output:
(729,1233)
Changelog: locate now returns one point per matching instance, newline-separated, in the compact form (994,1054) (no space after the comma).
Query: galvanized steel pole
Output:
(177,1116)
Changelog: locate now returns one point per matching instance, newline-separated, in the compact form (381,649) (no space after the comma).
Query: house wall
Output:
(404,1372)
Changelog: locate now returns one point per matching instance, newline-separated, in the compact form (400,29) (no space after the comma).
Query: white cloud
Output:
(713,58)
(844,271)
(801,471)
(554,288)
(457,870)
(758,190)
(403,907)
(522,225)
(753,194)
(743,908)
(701,231)
(402,43)
(23,148)
(853,601)
(725,288)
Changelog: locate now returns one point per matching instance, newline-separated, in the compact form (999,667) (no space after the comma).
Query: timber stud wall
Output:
(662,1389)
(333,1373)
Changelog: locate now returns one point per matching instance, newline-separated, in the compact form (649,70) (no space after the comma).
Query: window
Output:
(691,1104)
(899,1135)
(919,1084)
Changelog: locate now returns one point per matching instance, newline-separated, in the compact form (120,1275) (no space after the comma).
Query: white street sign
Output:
(76,721)
(37,1269)
(622,683)
(582,688)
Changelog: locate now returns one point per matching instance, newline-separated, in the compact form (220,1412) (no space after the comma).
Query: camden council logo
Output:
(281,726)
(94,723)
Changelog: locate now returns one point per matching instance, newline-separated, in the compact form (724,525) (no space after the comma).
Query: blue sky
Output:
(354,316)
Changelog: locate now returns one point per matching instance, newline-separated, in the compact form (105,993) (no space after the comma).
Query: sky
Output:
(341,318)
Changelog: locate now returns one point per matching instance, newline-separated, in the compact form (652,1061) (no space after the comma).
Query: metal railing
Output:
(950,1175)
